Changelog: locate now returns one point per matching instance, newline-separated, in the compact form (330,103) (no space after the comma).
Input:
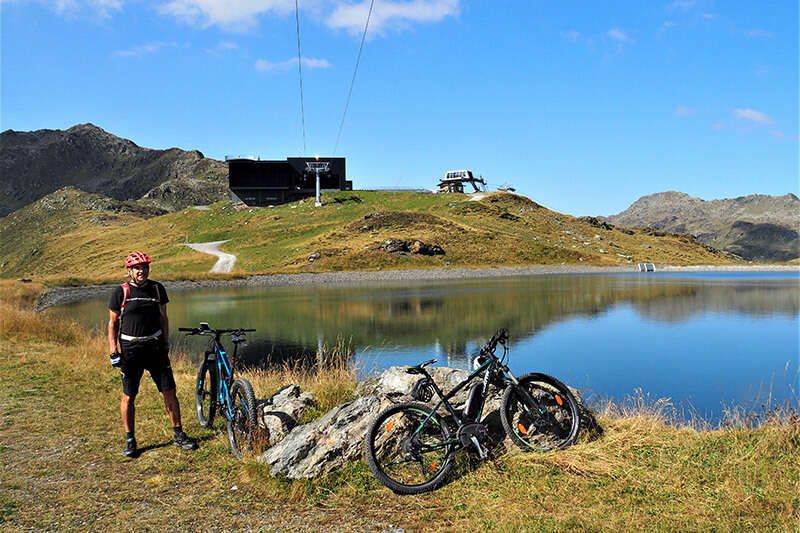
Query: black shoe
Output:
(130,448)
(182,440)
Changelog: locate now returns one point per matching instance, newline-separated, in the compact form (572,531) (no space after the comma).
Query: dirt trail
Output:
(224,263)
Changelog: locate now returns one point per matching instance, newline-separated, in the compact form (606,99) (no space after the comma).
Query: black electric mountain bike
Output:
(410,447)
(216,388)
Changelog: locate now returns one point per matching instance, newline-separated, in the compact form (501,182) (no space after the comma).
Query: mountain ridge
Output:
(36,163)
(756,227)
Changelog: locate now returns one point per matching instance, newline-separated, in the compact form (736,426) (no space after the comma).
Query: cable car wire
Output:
(300,72)
(353,81)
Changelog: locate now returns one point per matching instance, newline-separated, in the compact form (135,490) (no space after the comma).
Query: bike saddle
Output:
(418,369)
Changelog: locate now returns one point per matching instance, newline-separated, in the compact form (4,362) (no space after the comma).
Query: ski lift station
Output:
(454,181)
(259,183)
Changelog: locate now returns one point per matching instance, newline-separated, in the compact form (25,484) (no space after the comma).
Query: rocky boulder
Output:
(396,383)
(414,246)
(319,447)
(597,223)
(418,247)
(279,415)
(394,246)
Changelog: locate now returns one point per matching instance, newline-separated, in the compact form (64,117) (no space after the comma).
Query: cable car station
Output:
(260,183)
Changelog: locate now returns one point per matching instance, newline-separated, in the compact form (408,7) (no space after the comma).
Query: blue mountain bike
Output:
(216,388)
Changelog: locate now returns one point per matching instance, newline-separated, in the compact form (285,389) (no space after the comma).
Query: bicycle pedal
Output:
(481,452)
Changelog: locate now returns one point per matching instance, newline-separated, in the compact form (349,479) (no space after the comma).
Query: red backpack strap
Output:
(126,293)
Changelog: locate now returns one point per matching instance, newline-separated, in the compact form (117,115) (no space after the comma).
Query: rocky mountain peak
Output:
(88,126)
(756,226)
(36,163)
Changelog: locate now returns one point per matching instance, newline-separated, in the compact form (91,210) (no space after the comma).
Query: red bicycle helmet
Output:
(137,258)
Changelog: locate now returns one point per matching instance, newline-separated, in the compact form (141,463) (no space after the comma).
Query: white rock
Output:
(279,414)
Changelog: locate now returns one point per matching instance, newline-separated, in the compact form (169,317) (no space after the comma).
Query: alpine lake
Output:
(707,341)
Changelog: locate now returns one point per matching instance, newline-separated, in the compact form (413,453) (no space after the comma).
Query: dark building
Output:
(262,183)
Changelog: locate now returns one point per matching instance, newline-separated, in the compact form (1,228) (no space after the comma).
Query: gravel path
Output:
(224,263)
(64,295)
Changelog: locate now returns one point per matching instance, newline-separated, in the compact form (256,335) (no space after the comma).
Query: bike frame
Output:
(224,373)
(491,365)
(486,369)
(444,398)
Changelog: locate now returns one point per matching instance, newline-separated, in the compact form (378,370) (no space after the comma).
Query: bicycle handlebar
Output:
(501,337)
(206,330)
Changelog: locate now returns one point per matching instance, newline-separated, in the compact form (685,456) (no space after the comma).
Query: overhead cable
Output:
(353,81)
(300,72)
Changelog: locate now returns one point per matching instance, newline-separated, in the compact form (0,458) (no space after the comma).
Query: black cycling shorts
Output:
(151,356)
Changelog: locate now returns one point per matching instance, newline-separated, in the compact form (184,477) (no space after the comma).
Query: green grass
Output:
(502,229)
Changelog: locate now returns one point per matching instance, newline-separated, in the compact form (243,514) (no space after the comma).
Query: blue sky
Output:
(582,106)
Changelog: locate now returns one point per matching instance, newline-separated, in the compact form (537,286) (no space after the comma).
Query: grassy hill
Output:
(72,235)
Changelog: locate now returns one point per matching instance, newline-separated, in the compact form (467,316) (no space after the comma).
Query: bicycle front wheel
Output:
(546,420)
(205,395)
(243,423)
(408,448)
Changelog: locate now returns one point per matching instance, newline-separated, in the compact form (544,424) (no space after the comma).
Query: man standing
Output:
(138,337)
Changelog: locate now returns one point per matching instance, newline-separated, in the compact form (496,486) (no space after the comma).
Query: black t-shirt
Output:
(142,314)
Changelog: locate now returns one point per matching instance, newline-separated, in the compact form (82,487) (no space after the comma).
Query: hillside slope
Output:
(36,163)
(756,227)
(72,234)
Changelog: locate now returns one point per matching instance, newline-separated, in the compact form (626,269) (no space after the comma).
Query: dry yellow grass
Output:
(331,378)
(23,325)
(18,294)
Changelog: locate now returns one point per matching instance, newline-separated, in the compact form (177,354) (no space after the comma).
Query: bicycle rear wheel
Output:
(551,423)
(408,448)
(206,390)
(243,424)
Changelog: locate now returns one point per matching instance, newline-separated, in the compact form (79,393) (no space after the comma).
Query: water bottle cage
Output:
(422,390)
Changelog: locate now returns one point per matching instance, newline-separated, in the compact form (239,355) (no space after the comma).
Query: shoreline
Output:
(60,295)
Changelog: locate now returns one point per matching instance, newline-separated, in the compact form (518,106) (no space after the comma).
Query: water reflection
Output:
(451,315)
(751,297)
(717,336)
